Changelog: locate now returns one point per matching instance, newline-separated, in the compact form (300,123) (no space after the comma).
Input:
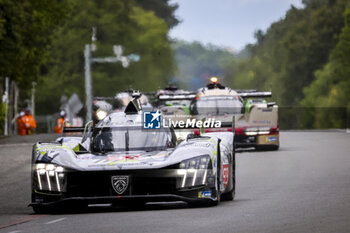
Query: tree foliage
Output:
(25,29)
(331,87)
(197,63)
(307,48)
(117,23)
(162,9)
(285,57)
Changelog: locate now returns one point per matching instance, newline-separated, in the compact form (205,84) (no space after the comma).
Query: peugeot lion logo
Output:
(120,184)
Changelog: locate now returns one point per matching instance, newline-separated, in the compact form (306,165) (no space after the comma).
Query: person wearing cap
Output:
(60,121)
(21,127)
(29,122)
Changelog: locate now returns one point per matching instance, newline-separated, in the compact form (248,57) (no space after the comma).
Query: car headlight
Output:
(49,177)
(101,114)
(194,172)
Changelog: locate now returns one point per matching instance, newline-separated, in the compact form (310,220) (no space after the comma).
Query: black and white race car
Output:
(119,162)
(256,120)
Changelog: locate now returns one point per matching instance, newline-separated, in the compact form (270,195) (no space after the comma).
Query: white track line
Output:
(54,221)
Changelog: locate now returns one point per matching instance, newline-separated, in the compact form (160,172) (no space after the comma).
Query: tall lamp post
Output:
(118,51)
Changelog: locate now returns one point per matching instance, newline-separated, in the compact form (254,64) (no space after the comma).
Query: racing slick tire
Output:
(229,196)
(218,172)
(217,185)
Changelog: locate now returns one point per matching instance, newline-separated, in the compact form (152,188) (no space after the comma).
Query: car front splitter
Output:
(124,199)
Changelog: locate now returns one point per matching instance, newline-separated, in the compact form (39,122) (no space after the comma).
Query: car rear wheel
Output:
(217,189)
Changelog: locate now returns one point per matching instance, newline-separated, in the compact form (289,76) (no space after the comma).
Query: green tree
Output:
(286,56)
(331,88)
(117,22)
(197,63)
(26,27)
(162,9)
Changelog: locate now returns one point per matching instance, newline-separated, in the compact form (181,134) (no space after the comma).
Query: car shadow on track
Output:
(253,150)
(110,208)
(244,150)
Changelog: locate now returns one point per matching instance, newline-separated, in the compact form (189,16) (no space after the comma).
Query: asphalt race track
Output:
(303,187)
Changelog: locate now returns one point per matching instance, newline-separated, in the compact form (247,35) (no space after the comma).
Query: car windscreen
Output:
(129,138)
(218,105)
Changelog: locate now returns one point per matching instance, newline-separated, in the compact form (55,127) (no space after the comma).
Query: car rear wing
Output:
(177,96)
(132,94)
(73,129)
(254,94)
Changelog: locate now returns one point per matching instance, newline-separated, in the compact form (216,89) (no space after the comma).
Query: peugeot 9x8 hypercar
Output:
(117,162)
